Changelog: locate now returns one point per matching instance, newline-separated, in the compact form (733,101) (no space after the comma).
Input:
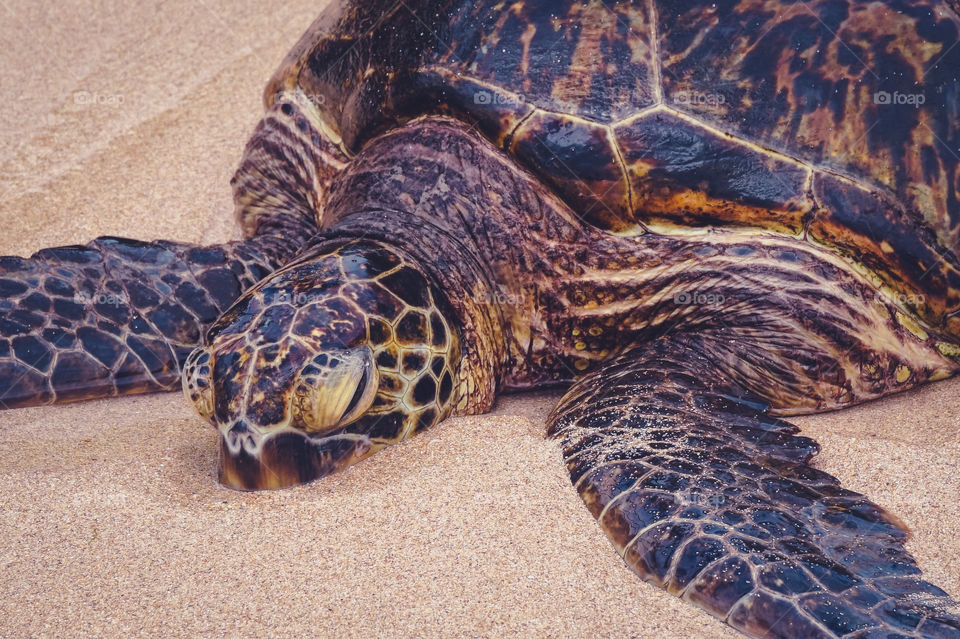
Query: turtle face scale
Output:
(332,358)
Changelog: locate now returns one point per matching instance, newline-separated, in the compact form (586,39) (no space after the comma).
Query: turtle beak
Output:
(333,390)
(249,461)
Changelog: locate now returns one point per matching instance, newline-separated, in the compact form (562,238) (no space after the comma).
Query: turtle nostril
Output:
(241,436)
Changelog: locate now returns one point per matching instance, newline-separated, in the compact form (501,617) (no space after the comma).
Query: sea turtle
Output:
(703,216)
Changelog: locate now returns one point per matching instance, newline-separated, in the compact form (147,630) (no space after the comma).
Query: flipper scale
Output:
(119,316)
(713,499)
(114,316)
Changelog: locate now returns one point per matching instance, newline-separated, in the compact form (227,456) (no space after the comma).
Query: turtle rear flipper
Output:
(708,496)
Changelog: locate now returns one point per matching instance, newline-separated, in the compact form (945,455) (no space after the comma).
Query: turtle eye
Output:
(196,382)
(335,389)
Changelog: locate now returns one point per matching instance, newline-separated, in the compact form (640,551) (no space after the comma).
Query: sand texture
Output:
(129,119)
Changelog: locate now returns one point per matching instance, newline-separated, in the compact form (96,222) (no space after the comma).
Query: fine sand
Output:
(129,120)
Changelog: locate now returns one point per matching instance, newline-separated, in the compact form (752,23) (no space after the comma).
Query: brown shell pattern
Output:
(833,120)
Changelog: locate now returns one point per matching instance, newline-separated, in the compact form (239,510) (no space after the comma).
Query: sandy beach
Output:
(130,120)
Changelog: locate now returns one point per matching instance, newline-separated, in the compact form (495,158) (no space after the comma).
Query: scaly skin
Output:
(114,317)
(695,269)
(342,352)
(118,316)
(683,351)
(671,116)
(706,495)
(566,296)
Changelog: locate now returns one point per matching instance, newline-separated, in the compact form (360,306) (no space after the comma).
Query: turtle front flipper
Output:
(119,316)
(708,496)
(115,316)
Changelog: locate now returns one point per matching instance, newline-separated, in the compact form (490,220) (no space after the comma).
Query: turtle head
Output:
(323,363)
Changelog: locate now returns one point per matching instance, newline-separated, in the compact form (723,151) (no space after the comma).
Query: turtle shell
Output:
(837,121)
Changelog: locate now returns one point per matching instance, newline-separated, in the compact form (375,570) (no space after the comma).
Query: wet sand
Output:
(129,120)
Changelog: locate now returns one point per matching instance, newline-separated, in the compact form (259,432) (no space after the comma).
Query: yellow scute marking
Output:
(903,374)
(912,326)
(948,349)
(939,374)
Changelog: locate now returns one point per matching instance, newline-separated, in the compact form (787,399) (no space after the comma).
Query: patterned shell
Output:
(833,120)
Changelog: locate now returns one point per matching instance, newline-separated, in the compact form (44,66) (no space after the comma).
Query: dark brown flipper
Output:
(706,495)
(119,316)
(114,317)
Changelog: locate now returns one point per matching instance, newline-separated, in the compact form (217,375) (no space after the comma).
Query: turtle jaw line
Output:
(334,389)
(287,458)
